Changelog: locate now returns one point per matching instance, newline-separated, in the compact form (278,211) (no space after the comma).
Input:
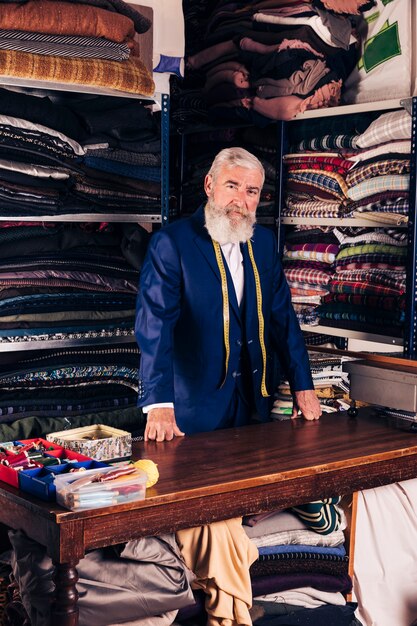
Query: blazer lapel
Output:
(205,245)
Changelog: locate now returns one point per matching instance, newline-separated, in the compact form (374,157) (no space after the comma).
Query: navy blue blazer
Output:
(179,325)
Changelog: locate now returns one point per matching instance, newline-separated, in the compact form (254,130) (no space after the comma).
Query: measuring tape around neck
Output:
(261,323)
(226,312)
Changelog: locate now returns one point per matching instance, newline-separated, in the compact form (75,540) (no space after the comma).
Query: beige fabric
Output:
(220,555)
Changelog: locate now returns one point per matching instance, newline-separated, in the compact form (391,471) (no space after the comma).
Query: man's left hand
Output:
(307,402)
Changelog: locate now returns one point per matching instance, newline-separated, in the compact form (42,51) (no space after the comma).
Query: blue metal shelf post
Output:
(165,159)
(410,335)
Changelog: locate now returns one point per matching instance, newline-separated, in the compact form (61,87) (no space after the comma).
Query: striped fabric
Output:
(311,255)
(378,168)
(320,213)
(326,142)
(317,158)
(321,516)
(63,45)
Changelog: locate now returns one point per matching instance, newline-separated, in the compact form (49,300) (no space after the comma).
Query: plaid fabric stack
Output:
(378,183)
(368,285)
(308,269)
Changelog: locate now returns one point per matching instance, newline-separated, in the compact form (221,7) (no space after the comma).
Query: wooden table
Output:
(218,475)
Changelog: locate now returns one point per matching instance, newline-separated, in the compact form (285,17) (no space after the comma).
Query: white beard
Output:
(224,229)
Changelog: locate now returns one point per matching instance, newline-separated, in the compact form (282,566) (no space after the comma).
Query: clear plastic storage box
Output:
(101,487)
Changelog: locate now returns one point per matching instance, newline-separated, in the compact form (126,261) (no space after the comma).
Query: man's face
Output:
(233,197)
(236,190)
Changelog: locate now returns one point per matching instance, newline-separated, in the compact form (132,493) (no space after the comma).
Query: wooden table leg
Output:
(65,610)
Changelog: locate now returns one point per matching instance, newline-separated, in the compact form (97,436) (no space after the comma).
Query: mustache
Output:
(235,209)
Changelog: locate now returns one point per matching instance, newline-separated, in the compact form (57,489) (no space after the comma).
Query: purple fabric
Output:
(278,582)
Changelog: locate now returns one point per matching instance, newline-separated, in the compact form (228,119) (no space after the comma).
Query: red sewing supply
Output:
(18,459)
(27,447)
(122,471)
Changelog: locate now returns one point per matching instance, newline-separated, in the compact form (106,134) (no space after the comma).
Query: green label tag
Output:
(381,48)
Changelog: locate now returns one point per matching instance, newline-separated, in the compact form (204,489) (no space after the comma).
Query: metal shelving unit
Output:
(160,102)
(409,341)
(410,330)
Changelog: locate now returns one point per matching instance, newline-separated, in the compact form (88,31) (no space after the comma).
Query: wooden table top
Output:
(223,474)
(252,457)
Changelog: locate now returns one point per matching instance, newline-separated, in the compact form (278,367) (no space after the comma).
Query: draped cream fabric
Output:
(220,555)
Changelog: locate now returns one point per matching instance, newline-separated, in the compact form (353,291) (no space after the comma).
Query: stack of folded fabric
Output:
(302,570)
(308,260)
(316,185)
(65,281)
(70,387)
(269,60)
(121,167)
(330,382)
(77,155)
(378,184)
(355,174)
(53,286)
(84,42)
(368,287)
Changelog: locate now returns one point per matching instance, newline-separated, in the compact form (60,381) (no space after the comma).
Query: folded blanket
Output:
(64,18)
(130,76)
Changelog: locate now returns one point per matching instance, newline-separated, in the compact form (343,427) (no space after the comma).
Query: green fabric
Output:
(131,419)
(371,248)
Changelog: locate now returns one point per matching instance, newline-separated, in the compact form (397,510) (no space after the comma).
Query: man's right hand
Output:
(161,425)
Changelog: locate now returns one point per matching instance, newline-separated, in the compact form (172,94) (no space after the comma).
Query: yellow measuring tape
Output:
(261,323)
(226,312)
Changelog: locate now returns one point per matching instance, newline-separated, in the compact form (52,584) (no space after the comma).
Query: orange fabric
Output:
(65,18)
(220,555)
(131,75)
